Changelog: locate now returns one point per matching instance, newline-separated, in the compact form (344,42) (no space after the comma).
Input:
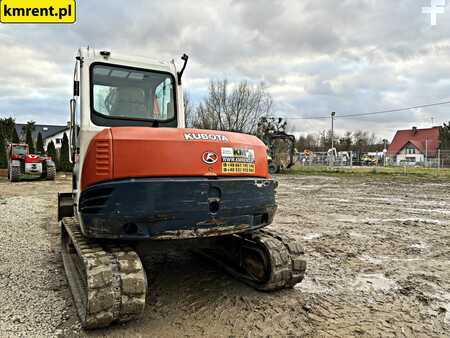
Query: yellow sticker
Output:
(37,11)
(238,168)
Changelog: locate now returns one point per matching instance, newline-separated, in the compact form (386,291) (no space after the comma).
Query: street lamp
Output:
(333,114)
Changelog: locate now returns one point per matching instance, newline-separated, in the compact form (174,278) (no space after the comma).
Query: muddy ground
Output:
(378,253)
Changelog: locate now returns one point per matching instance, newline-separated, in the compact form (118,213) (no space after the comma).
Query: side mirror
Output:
(185,58)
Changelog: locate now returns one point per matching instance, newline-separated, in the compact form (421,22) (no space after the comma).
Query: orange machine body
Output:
(127,152)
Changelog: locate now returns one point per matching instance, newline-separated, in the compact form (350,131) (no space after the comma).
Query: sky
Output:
(314,57)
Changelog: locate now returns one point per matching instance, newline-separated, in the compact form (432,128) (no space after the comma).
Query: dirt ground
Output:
(378,253)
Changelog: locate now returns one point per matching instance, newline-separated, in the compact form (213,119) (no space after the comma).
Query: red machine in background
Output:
(22,164)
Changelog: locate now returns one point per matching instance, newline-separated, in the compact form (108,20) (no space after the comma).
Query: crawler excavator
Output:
(141,178)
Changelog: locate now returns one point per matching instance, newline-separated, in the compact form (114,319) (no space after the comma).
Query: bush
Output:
(40,144)
(29,141)
(64,163)
(3,157)
(15,136)
(51,151)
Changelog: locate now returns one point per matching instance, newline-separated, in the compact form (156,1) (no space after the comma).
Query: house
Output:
(49,133)
(414,146)
(56,138)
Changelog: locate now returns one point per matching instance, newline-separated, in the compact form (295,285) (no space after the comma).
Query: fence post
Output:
(439,162)
(351,161)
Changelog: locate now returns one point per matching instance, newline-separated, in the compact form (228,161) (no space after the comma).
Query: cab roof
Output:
(110,56)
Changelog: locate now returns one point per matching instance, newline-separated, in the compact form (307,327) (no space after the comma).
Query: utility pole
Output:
(333,114)
(432,122)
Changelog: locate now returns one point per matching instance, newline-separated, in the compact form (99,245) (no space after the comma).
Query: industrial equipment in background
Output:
(280,145)
(22,164)
(140,177)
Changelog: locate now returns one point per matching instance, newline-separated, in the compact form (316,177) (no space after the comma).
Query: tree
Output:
(444,136)
(29,141)
(325,140)
(51,151)
(236,108)
(361,141)
(40,144)
(270,125)
(15,136)
(3,156)
(345,142)
(64,163)
(29,128)
(189,110)
(7,129)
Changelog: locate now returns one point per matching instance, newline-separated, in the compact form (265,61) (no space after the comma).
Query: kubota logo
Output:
(205,137)
(210,157)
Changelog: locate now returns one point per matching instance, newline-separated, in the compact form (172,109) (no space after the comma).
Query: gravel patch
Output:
(31,283)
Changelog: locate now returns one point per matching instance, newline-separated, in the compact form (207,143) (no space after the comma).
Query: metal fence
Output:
(349,159)
(439,160)
(326,159)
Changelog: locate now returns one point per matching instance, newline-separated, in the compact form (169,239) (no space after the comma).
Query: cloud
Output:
(350,56)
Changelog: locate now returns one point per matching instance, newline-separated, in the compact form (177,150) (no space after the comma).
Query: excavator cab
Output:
(140,176)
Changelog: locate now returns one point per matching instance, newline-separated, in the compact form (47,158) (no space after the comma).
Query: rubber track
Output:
(51,173)
(108,284)
(286,257)
(292,259)
(14,174)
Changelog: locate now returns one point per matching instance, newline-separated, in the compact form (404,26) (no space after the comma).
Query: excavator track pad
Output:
(108,282)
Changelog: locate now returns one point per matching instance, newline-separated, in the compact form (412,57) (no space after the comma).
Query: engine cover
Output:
(136,152)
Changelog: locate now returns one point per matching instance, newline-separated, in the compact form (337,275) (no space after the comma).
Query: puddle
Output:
(311,236)
(357,235)
(311,286)
(421,246)
(381,259)
(405,221)
(333,199)
(376,281)
(370,259)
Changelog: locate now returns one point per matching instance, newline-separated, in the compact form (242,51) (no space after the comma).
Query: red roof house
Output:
(413,145)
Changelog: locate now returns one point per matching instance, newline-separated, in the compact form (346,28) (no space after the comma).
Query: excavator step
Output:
(108,282)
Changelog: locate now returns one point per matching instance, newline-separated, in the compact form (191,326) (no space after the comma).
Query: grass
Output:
(401,172)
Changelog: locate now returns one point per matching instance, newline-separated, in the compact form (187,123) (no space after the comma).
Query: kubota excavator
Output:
(141,177)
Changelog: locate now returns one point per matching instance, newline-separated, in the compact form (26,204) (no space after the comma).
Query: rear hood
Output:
(126,152)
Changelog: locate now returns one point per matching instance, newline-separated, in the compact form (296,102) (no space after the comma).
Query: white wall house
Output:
(410,155)
(414,146)
(56,138)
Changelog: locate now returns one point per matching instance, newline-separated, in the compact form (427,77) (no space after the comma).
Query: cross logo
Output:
(436,7)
